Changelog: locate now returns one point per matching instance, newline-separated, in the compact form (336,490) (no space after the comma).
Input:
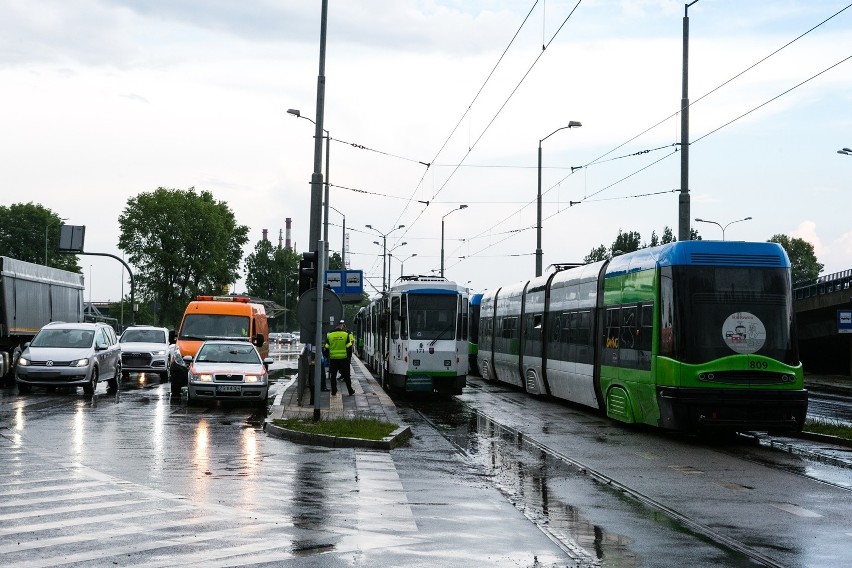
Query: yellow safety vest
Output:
(337,342)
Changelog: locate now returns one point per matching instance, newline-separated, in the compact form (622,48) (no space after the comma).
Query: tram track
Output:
(603,480)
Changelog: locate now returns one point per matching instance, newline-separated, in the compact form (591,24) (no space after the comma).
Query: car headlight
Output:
(23,361)
(80,363)
(160,352)
(256,378)
(201,377)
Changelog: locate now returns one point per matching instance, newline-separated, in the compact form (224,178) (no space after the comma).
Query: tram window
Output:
(612,327)
(629,328)
(583,331)
(508,325)
(395,317)
(647,327)
(403,316)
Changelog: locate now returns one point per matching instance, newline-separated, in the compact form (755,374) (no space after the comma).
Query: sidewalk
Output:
(369,401)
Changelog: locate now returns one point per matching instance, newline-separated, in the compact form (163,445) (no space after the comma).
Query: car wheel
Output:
(112,384)
(24,389)
(189,400)
(89,388)
(164,377)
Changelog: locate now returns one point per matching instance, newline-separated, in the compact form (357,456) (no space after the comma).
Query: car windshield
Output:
(143,336)
(202,326)
(217,353)
(69,338)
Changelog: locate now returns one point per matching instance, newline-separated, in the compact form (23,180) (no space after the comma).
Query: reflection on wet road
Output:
(589,518)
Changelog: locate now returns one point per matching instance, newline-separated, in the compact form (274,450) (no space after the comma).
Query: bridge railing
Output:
(825,284)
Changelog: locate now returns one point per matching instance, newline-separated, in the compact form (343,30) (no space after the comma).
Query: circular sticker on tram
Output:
(744,332)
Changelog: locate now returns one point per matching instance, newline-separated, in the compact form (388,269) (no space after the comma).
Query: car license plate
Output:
(228,388)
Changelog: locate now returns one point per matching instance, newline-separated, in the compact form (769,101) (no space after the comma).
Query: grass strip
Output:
(828,428)
(363,428)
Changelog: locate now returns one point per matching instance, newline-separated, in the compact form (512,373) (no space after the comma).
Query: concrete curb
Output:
(393,440)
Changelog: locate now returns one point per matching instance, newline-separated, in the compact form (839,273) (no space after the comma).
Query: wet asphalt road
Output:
(141,479)
(490,478)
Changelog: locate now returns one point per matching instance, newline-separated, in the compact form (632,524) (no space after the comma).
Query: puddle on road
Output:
(588,518)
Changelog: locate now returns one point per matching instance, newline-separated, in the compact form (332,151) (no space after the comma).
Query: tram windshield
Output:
(432,316)
(709,312)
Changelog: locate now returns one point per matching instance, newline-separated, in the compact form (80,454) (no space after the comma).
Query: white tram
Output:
(415,337)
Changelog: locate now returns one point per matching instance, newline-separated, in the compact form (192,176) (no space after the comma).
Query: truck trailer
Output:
(32,295)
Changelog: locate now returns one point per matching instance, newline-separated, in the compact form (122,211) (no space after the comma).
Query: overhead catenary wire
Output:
(728,81)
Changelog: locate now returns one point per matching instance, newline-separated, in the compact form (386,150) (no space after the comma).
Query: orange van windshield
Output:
(202,326)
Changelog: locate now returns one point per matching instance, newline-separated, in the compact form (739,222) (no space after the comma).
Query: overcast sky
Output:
(103,100)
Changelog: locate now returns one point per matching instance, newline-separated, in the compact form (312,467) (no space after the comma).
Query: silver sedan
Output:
(228,370)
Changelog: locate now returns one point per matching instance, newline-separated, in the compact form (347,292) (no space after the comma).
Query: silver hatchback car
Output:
(231,370)
(70,355)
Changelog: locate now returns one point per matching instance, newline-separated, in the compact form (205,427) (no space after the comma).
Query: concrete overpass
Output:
(825,344)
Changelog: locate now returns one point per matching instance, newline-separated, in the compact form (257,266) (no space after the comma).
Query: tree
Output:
(30,231)
(272,272)
(803,260)
(626,242)
(597,254)
(629,242)
(183,243)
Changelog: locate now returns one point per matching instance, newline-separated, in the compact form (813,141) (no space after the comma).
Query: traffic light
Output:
(307,271)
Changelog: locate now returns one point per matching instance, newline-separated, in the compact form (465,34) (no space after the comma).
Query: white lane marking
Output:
(383,504)
(795,510)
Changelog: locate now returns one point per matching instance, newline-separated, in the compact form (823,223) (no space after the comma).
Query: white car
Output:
(145,349)
(230,370)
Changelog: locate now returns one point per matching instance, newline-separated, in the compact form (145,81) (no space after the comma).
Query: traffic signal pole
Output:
(319,341)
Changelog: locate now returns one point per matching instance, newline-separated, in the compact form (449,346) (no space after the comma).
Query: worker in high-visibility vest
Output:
(338,343)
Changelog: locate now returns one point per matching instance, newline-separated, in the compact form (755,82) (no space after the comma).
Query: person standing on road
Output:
(338,343)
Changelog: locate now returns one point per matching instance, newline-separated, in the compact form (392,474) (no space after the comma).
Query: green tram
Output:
(687,336)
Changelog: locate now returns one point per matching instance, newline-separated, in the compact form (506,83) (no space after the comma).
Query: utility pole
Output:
(683,232)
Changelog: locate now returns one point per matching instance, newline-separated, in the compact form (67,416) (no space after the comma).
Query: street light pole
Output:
(390,255)
(538,251)
(402,263)
(460,207)
(723,227)
(384,250)
(295,112)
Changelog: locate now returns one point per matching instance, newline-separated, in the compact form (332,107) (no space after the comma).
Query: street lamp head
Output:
(294,112)
(369,226)
(747,219)
(462,206)
(574,124)
(700,220)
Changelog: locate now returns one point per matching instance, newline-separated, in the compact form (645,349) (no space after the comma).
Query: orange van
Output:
(216,317)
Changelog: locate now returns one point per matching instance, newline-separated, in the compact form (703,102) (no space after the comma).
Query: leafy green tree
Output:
(273,273)
(183,243)
(30,232)
(803,260)
(596,254)
(626,242)
(630,241)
